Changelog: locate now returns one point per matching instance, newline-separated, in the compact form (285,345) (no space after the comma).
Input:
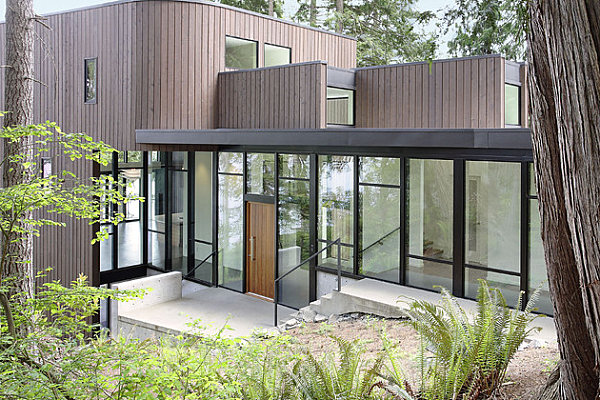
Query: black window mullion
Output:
(191,217)
(356,220)
(244,222)
(524,231)
(312,225)
(458,236)
(115,235)
(146,195)
(276,190)
(403,243)
(215,217)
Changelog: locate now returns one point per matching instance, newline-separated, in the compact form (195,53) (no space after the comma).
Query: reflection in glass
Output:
(294,241)
(509,285)
(428,274)
(277,55)
(512,115)
(231,224)
(260,173)
(240,53)
(294,166)
(231,163)
(380,170)
(429,209)
(130,230)
(492,214)
(380,232)
(335,204)
(537,264)
(106,247)
(203,214)
(340,106)
(178,219)
(157,199)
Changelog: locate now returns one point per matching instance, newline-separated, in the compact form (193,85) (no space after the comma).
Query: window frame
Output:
(519,105)
(353,106)
(94,100)
(265,44)
(225,52)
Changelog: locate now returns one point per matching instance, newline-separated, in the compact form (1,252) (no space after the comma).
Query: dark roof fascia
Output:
(492,139)
(210,3)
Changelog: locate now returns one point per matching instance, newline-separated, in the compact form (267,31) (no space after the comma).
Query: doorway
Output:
(260,249)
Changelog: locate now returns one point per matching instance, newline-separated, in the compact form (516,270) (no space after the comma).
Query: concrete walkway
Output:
(211,307)
(390,300)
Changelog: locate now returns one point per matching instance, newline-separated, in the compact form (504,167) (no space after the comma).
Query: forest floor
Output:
(525,376)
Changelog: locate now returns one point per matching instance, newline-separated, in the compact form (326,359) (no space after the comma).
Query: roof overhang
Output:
(357,138)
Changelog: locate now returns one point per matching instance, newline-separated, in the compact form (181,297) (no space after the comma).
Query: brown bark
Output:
(271,8)
(564,83)
(339,7)
(18,97)
(312,13)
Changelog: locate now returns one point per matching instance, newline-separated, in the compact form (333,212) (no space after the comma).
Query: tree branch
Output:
(9,317)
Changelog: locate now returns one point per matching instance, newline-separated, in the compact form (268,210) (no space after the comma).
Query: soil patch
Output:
(525,376)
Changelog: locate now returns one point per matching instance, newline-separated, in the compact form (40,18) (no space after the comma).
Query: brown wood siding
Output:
(158,63)
(462,93)
(286,97)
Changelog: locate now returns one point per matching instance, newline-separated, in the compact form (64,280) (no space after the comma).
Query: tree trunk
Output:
(564,84)
(313,13)
(18,97)
(339,8)
(271,8)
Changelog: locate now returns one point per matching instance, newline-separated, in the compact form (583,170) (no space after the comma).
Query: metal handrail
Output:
(380,239)
(337,242)
(190,273)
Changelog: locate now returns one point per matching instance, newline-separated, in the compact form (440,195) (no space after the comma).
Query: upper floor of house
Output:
(114,68)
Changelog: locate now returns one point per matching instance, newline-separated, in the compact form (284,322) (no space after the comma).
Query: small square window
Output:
(240,53)
(277,55)
(46,167)
(340,106)
(90,72)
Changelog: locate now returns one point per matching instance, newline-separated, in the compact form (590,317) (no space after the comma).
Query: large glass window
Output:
(90,89)
(231,223)
(512,109)
(240,53)
(260,173)
(430,223)
(380,223)
(130,230)
(157,208)
(335,208)
(203,217)
(492,226)
(277,55)
(340,106)
(106,246)
(179,210)
(294,214)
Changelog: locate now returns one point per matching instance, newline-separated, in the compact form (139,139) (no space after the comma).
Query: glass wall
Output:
(106,245)
(492,226)
(293,236)
(277,55)
(260,174)
(336,209)
(203,239)
(380,223)
(340,106)
(231,220)
(178,209)
(429,228)
(240,53)
(157,208)
(130,230)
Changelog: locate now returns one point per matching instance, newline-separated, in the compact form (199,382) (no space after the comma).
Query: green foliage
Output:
(487,27)
(387,30)
(259,6)
(468,358)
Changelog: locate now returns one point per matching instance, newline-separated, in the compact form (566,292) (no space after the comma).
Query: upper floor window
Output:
(240,53)
(340,106)
(512,103)
(90,70)
(277,55)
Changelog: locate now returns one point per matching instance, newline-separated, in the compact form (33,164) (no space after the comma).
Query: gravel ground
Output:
(526,373)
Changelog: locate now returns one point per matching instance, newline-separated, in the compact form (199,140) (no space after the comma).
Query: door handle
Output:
(252,248)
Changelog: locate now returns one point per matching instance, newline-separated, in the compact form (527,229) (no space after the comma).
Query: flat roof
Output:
(210,3)
(352,138)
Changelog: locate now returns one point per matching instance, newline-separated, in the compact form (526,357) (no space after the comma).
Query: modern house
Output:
(256,143)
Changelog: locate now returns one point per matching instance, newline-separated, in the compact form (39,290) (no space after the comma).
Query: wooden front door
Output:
(260,248)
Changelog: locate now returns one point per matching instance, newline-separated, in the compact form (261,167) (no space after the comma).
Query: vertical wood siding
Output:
(463,93)
(158,65)
(285,97)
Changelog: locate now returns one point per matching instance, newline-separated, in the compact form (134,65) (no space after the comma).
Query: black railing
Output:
(190,273)
(380,240)
(337,242)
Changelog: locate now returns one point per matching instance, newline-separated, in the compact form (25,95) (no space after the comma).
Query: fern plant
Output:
(328,379)
(463,357)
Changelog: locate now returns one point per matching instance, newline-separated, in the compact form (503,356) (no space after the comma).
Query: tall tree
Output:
(18,103)
(388,31)
(268,7)
(483,27)
(564,81)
